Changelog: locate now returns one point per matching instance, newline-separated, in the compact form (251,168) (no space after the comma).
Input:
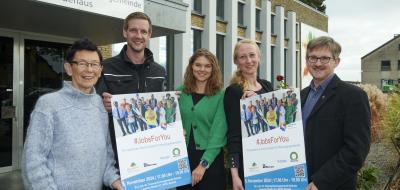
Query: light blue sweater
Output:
(68,144)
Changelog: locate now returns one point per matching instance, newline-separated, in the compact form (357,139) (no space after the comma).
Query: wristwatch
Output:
(204,164)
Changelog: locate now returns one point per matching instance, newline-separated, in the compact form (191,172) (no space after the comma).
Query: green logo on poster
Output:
(294,156)
(176,152)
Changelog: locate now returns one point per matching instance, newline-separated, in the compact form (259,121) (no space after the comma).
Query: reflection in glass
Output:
(6,99)
(43,70)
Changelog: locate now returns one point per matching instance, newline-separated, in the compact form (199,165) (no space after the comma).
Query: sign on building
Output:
(113,8)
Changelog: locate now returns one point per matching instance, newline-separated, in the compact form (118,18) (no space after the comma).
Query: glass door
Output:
(7,110)
(43,72)
(30,65)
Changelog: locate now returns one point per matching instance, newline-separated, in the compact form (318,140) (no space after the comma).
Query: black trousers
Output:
(215,176)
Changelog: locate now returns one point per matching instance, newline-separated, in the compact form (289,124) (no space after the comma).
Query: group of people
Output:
(68,143)
(269,113)
(141,114)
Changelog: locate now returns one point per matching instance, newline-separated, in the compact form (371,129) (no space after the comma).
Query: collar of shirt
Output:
(323,85)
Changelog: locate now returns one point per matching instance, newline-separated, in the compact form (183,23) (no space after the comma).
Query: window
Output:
(196,6)
(258,69)
(285,30)
(398,65)
(297,66)
(220,52)
(399,47)
(167,43)
(221,9)
(297,32)
(385,65)
(285,62)
(196,39)
(272,65)
(272,24)
(240,14)
(258,17)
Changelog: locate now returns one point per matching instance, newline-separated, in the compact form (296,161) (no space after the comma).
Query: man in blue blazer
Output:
(336,120)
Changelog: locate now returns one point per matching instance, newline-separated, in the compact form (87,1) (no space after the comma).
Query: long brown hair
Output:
(238,77)
(214,83)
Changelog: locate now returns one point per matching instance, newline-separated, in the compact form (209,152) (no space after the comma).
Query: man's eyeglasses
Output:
(323,60)
(82,64)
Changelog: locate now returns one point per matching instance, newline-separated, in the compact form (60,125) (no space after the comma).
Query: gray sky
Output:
(361,26)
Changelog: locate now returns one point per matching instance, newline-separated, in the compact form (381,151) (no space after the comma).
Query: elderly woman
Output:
(68,143)
(244,83)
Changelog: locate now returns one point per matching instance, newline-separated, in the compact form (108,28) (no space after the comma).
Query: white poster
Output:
(151,145)
(307,34)
(114,8)
(273,141)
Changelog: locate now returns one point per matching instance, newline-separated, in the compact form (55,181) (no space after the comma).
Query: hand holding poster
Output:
(151,146)
(273,141)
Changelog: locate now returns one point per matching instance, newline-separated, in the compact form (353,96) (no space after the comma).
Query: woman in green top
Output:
(290,111)
(203,119)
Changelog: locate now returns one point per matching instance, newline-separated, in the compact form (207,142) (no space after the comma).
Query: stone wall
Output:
(106,51)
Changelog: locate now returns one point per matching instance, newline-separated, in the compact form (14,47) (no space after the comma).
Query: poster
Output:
(151,146)
(273,141)
(307,34)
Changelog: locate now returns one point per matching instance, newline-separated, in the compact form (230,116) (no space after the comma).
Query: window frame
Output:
(240,15)
(386,67)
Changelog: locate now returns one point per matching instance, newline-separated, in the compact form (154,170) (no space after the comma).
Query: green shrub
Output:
(392,116)
(367,178)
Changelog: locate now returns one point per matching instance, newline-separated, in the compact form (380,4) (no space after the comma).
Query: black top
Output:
(233,94)
(192,145)
(196,98)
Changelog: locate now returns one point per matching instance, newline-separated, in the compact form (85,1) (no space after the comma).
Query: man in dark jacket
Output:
(133,70)
(336,120)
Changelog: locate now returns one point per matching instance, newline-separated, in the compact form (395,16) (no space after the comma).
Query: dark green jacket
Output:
(207,118)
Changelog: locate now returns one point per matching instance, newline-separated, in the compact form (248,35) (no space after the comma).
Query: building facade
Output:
(218,24)
(381,67)
(34,37)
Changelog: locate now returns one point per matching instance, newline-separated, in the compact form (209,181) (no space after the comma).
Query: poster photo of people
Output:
(269,111)
(134,113)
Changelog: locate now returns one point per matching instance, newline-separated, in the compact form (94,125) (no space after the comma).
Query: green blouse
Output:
(207,118)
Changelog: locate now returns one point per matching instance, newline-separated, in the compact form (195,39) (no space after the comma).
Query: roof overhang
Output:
(37,17)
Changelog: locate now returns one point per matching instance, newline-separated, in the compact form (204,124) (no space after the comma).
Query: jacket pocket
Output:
(155,84)
(122,84)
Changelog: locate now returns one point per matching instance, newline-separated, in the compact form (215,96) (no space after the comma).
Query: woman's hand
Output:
(197,174)
(178,94)
(311,186)
(117,185)
(236,181)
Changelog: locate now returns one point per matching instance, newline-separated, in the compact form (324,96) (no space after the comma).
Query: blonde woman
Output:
(243,84)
